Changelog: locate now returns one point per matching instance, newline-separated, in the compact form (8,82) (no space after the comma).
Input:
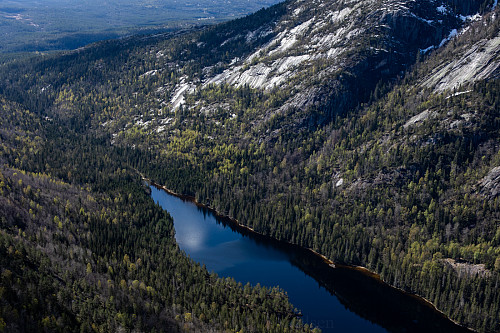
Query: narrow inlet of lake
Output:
(334,299)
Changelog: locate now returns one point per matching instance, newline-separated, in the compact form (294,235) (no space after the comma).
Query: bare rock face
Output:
(475,58)
(490,184)
(421,25)
(332,54)
(325,57)
(467,269)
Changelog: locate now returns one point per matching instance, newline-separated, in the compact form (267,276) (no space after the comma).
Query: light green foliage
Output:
(361,187)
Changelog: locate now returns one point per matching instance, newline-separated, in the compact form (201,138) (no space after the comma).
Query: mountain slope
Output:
(95,253)
(328,54)
(310,122)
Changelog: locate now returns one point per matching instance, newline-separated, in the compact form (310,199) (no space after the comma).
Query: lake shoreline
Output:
(332,265)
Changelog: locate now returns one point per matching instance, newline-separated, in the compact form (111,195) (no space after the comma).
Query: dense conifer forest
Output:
(402,180)
(84,248)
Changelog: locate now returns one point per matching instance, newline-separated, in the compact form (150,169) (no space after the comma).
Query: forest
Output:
(401,181)
(85,249)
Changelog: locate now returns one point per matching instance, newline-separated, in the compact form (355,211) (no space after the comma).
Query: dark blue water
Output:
(340,303)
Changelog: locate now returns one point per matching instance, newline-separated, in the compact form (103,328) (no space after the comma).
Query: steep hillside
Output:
(308,61)
(325,56)
(94,253)
(366,130)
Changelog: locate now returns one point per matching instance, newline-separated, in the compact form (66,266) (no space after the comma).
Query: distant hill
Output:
(40,26)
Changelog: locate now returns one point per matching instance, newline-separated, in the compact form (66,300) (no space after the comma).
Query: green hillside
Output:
(383,156)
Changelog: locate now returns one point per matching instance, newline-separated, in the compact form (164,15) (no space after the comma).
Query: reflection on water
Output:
(336,300)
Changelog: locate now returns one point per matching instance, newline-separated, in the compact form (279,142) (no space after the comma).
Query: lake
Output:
(340,299)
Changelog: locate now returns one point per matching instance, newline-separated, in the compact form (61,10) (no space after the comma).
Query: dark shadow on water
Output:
(358,290)
(367,296)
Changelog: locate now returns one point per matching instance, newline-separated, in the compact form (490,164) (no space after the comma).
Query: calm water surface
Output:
(342,300)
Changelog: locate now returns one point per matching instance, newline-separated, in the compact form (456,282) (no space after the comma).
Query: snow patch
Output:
(459,93)
(421,18)
(470,18)
(424,51)
(441,9)
(453,33)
